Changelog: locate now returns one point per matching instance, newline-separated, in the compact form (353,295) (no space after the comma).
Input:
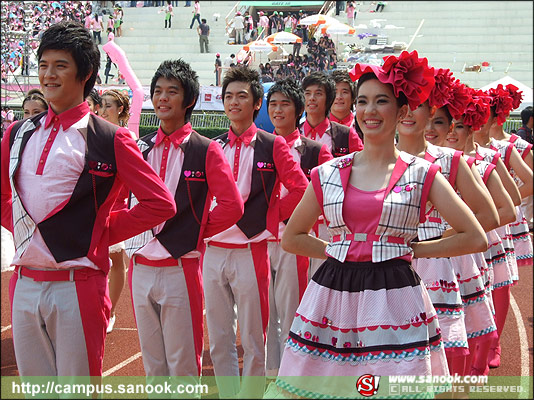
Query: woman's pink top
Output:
(361,213)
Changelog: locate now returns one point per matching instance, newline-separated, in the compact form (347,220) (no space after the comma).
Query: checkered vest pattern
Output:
(504,148)
(448,160)
(485,154)
(23,225)
(400,212)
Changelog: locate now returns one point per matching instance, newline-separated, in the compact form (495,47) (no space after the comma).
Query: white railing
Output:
(229,17)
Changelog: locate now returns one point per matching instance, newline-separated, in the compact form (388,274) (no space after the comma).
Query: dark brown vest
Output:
(254,219)
(68,233)
(180,234)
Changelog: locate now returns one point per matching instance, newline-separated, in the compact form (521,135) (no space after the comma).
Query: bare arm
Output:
(501,199)
(476,197)
(469,237)
(528,160)
(296,238)
(508,183)
(523,172)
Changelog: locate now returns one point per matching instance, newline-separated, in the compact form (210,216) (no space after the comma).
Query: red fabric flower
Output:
(477,111)
(407,73)
(459,97)
(502,103)
(441,91)
(515,94)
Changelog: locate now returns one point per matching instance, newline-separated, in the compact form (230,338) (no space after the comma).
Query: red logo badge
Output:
(367,385)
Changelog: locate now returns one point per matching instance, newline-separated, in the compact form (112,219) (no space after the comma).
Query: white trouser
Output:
(51,320)
(164,318)
(236,278)
(288,282)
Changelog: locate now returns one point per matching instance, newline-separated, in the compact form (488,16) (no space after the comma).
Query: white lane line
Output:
(122,364)
(124,329)
(523,344)
(5,328)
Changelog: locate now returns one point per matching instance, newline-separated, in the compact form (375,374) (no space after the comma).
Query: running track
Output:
(123,357)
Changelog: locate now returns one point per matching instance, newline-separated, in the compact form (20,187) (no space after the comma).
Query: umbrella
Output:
(283,37)
(317,19)
(338,29)
(260,46)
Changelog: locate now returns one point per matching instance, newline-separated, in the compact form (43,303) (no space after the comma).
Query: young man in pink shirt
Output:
(236,263)
(166,277)
(289,273)
(62,172)
(319,95)
(343,105)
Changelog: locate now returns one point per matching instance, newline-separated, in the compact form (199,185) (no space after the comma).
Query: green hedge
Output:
(208,132)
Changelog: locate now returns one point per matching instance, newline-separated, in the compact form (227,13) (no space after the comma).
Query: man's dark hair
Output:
(204,20)
(188,78)
(73,37)
(343,76)
(290,89)
(526,114)
(401,99)
(321,79)
(245,74)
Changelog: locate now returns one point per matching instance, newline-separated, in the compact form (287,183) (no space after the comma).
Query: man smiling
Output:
(166,278)
(319,94)
(236,263)
(289,273)
(342,108)
(62,171)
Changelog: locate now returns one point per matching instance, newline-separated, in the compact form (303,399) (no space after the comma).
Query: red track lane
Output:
(123,342)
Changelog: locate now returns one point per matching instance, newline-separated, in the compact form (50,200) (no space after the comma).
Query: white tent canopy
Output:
(527,91)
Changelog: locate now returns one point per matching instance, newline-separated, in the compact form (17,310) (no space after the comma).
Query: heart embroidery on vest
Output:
(187,173)
(260,164)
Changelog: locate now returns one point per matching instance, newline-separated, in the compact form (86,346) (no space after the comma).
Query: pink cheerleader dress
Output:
(439,274)
(519,229)
(491,156)
(365,311)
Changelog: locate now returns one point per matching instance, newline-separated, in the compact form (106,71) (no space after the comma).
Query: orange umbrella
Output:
(317,19)
(283,37)
(338,29)
(261,46)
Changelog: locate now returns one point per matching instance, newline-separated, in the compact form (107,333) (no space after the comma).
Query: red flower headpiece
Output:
(459,97)
(407,73)
(502,102)
(441,91)
(477,111)
(449,91)
(515,94)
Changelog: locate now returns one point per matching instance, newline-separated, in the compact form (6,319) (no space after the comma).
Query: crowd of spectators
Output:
(26,21)
(320,56)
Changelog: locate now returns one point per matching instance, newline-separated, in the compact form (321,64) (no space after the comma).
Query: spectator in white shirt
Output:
(239,25)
